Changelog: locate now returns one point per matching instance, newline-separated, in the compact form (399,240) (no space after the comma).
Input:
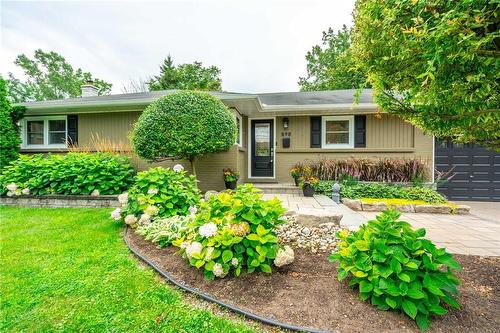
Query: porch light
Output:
(285,123)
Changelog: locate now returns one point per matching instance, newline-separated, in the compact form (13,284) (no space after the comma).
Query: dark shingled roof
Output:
(316,97)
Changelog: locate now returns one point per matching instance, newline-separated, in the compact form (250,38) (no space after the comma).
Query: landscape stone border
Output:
(358,205)
(56,201)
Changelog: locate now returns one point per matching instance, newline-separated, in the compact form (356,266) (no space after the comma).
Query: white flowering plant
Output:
(163,231)
(233,231)
(159,193)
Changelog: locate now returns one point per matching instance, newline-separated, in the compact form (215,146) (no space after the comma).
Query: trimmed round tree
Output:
(183,126)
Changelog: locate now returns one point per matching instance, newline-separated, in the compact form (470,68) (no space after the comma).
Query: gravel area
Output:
(314,239)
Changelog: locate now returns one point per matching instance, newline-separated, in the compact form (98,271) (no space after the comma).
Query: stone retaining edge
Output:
(61,201)
(358,205)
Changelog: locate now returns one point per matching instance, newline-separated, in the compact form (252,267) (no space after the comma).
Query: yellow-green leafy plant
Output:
(158,192)
(233,231)
(395,268)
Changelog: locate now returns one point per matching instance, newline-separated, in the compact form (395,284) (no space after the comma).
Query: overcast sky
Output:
(258,45)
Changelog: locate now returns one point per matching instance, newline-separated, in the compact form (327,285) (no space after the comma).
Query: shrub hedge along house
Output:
(275,130)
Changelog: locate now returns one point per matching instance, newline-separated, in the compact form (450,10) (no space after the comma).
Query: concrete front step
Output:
(269,188)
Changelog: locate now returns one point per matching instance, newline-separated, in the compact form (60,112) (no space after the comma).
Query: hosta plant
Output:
(395,268)
(163,231)
(235,231)
(160,192)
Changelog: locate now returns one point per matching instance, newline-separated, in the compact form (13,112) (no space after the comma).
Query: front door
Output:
(262,155)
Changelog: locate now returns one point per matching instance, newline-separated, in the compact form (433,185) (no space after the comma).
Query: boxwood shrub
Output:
(72,173)
(394,267)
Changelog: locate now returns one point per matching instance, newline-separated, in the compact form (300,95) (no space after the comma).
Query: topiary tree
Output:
(9,135)
(183,125)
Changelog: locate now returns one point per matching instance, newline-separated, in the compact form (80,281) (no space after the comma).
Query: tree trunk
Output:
(193,169)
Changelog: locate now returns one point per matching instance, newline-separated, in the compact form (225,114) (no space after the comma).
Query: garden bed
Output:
(308,294)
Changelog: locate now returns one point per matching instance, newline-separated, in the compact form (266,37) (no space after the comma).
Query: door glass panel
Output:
(262,139)
(35,132)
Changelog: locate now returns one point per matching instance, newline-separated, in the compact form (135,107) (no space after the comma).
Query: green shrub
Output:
(9,135)
(184,125)
(160,192)
(72,173)
(381,191)
(396,268)
(163,231)
(234,231)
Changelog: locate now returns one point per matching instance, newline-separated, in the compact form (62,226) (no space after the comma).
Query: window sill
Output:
(42,149)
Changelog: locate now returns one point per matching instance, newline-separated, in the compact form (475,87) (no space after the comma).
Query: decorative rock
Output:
(374,207)
(306,231)
(462,210)
(353,204)
(208,194)
(316,216)
(405,208)
(433,209)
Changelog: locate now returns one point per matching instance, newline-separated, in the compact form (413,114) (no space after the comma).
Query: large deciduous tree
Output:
(434,63)
(9,130)
(50,76)
(186,77)
(184,125)
(331,66)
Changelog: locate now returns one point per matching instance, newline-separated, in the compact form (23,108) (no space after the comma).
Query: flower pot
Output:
(308,190)
(296,180)
(231,185)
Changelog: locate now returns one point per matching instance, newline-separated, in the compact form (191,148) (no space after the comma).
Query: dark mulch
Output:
(307,293)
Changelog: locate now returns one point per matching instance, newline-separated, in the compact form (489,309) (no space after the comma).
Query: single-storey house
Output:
(275,130)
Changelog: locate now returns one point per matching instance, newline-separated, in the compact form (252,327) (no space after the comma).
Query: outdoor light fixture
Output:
(285,123)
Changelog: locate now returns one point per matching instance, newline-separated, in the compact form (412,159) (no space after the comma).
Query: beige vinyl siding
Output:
(110,126)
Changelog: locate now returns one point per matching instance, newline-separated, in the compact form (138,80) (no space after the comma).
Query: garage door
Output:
(477,171)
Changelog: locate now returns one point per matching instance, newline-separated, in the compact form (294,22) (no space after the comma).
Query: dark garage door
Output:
(477,171)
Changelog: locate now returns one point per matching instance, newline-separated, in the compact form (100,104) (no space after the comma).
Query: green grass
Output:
(69,270)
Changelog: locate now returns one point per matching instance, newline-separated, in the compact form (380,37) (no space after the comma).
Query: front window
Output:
(44,132)
(338,132)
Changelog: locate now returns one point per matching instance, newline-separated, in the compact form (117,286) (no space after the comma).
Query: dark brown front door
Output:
(262,155)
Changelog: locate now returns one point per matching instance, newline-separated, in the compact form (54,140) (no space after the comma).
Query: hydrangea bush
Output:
(395,268)
(72,173)
(158,192)
(233,231)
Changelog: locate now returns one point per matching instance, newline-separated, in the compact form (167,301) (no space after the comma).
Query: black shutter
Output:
(315,132)
(359,131)
(73,129)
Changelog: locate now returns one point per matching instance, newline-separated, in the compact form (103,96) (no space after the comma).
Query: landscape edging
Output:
(380,206)
(61,201)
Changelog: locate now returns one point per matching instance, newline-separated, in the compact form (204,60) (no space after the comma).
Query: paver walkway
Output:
(475,234)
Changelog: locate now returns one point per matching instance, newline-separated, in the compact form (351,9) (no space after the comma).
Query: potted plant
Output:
(296,173)
(230,178)
(307,185)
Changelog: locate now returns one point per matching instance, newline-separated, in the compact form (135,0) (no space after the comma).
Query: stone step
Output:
(278,188)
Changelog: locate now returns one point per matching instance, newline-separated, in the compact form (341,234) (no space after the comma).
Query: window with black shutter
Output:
(360,131)
(315,132)
(73,129)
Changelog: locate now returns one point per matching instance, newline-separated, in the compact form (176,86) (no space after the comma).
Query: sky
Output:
(260,46)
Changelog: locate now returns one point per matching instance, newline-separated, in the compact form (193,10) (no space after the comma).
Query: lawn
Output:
(69,270)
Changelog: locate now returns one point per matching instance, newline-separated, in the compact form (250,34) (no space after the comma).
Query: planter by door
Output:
(262,154)
(308,191)
(231,185)
(296,180)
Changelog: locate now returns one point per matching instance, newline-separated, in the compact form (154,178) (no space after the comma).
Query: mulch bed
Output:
(308,294)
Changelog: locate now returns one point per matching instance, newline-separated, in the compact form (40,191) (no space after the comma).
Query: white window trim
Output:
(45,145)
(240,143)
(324,119)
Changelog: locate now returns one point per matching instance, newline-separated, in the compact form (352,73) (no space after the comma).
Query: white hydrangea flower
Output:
(208,254)
(130,219)
(234,261)
(151,210)
(145,219)
(193,210)
(194,247)
(208,229)
(95,193)
(202,200)
(218,270)
(184,245)
(284,256)
(178,168)
(123,198)
(25,191)
(153,191)
(12,187)
(10,194)
(116,214)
